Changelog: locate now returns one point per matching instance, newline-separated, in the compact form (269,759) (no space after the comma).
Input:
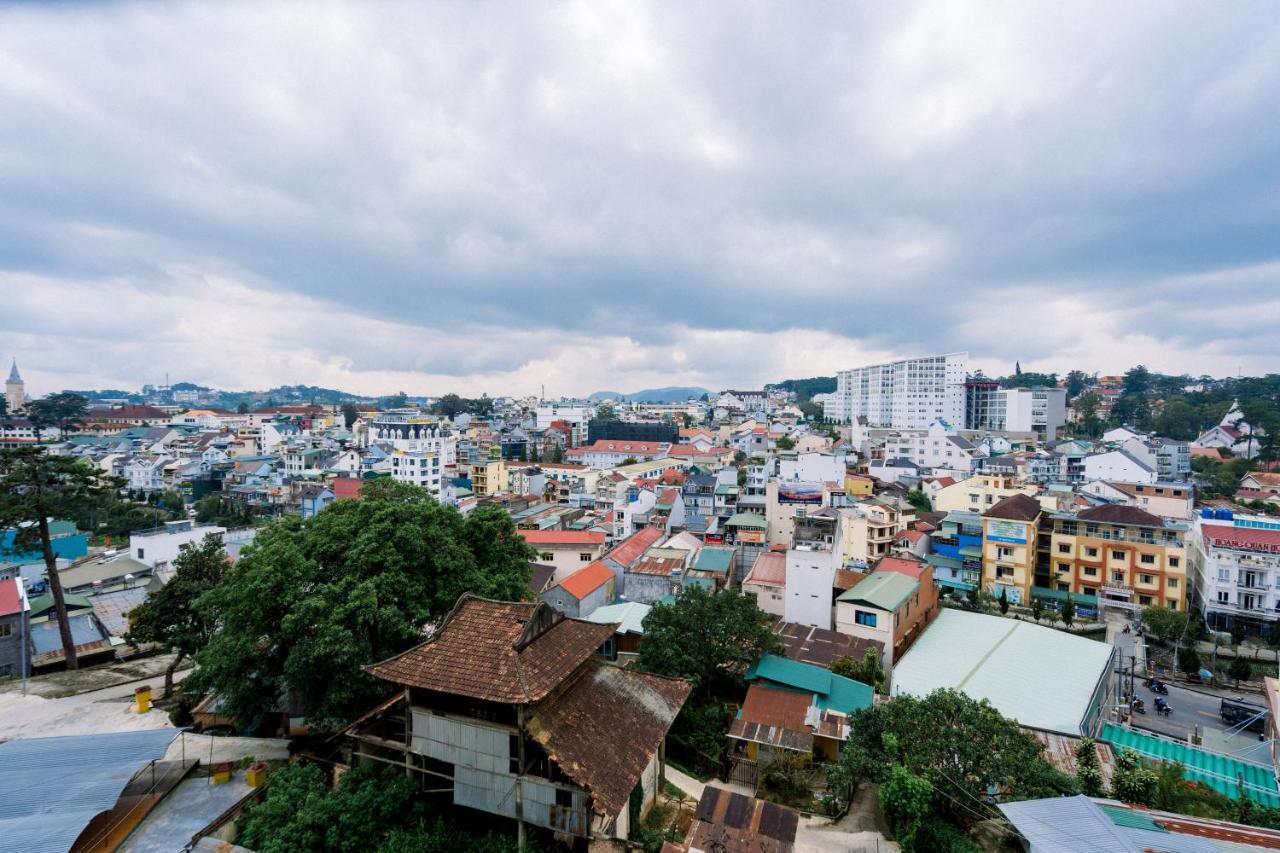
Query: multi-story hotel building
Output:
(1235,563)
(906,394)
(1116,555)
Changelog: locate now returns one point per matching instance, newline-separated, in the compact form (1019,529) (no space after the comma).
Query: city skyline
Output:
(625,196)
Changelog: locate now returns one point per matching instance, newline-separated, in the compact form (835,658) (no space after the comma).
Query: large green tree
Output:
(311,603)
(169,616)
(969,751)
(64,412)
(36,487)
(709,639)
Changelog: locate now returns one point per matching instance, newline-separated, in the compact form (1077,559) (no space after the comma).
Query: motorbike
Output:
(1158,686)
(1138,706)
(1163,707)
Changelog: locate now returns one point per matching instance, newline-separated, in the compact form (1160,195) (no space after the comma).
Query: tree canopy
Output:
(169,615)
(64,412)
(311,603)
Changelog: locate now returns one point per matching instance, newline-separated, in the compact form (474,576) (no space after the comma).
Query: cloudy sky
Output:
(491,197)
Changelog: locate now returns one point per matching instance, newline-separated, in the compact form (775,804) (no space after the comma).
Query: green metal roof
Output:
(830,692)
(883,590)
(713,559)
(747,519)
(42,603)
(726,490)
(1219,772)
(1131,819)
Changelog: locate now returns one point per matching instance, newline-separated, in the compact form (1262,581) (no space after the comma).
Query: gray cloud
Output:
(899,178)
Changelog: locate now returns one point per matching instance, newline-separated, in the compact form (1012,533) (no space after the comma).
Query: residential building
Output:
(813,467)
(1167,500)
(623,647)
(812,561)
(867,532)
(1115,555)
(508,708)
(608,453)
(1038,410)
(1231,434)
(15,629)
(957,551)
(574,415)
(725,820)
(1118,465)
(1171,460)
(160,546)
(1235,568)
(488,476)
(567,550)
(578,595)
(940,448)
(767,582)
(906,394)
(890,607)
(1010,538)
(977,493)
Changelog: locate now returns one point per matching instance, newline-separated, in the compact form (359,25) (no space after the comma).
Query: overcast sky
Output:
(492,197)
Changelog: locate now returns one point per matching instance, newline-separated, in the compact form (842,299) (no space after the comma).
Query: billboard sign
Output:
(796,492)
(1014,532)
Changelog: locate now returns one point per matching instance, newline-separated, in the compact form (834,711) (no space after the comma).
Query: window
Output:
(564,798)
(1224,575)
(1144,600)
(546,555)
(1174,562)
(5,629)
(1064,587)
(1117,555)
(1064,548)
(1147,559)
(1091,552)
(584,558)
(1224,598)
(1064,567)
(141,552)
(1172,583)
(1118,577)
(1004,553)
(1147,579)
(864,618)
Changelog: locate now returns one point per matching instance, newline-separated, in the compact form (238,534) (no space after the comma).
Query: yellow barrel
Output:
(142,698)
(256,775)
(222,773)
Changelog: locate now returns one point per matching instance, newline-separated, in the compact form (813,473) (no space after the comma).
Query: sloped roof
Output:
(882,590)
(735,822)
(662,566)
(561,537)
(753,520)
(10,596)
(633,547)
(1244,538)
(587,580)
(901,565)
(714,559)
(629,616)
(52,787)
(477,652)
(770,569)
(605,726)
(1017,507)
(1120,514)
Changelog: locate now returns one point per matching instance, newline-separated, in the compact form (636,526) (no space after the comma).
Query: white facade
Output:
(575,414)
(1040,410)
(1117,465)
(809,467)
(811,579)
(160,547)
(1235,564)
(907,394)
(939,448)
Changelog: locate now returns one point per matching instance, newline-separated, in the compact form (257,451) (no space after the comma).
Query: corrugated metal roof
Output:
(1066,825)
(1003,661)
(629,616)
(52,787)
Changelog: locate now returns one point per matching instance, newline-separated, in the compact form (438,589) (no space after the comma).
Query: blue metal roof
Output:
(51,787)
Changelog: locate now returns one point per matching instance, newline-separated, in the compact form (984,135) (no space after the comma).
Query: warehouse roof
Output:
(1004,661)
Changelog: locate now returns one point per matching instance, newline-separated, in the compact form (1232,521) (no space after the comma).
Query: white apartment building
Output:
(906,394)
(425,450)
(939,448)
(1235,563)
(1040,410)
(813,467)
(160,546)
(576,414)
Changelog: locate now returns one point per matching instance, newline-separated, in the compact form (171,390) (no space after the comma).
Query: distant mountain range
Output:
(652,395)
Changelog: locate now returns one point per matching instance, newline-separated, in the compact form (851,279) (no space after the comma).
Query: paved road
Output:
(1192,710)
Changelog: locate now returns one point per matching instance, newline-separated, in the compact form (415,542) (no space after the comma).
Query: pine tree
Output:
(1088,770)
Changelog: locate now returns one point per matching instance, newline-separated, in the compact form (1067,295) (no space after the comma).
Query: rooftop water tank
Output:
(1206,513)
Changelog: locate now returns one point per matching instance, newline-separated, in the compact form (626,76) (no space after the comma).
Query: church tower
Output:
(15,391)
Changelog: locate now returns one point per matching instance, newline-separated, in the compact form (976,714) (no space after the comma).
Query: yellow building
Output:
(1119,553)
(859,485)
(1010,537)
(978,493)
(488,477)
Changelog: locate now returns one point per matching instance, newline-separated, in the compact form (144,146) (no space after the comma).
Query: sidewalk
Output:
(61,685)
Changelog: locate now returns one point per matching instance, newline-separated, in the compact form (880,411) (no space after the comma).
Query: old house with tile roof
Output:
(507,706)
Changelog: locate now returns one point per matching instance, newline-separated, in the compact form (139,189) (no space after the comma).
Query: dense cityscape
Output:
(669,619)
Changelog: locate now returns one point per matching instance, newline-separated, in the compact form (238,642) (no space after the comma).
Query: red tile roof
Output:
(650,448)
(912,536)
(482,651)
(1241,538)
(632,548)
(561,537)
(587,580)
